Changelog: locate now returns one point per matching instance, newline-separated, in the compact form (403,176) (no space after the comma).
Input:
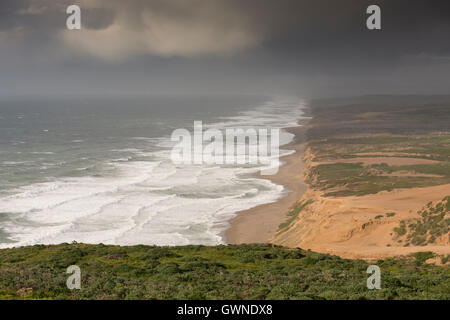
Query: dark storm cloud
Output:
(27,16)
(98,18)
(47,16)
(309,43)
(319,27)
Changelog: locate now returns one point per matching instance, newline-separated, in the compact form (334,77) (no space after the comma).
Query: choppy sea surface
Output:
(98,169)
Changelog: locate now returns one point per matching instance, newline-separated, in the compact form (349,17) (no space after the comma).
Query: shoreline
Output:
(260,223)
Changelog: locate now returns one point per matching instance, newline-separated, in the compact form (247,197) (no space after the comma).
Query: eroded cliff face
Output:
(358,226)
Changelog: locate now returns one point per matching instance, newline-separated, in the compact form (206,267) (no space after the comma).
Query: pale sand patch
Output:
(391,154)
(392,161)
(370,115)
(347,226)
(259,224)
(410,174)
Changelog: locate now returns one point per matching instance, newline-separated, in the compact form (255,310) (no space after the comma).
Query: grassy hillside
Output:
(408,127)
(220,272)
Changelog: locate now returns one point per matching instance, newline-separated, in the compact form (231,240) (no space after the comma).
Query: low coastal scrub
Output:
(432,223)
(354,179)
(217,272)
(409,128)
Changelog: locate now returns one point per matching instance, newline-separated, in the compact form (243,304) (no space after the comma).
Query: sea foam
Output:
(151,201)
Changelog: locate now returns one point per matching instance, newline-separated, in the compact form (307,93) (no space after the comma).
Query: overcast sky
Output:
(302,47)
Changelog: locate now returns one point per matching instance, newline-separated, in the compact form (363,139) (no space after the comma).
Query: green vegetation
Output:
(445,259)
(421,257)
(219,272)
(348,179)
(401,231)
(293,213)
(432,223)
(405,127)
(390,214)
(433,146)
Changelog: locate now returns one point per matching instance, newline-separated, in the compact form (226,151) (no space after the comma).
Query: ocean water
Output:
(98,169)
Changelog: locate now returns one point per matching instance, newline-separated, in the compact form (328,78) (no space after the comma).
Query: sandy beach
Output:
(259,224)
